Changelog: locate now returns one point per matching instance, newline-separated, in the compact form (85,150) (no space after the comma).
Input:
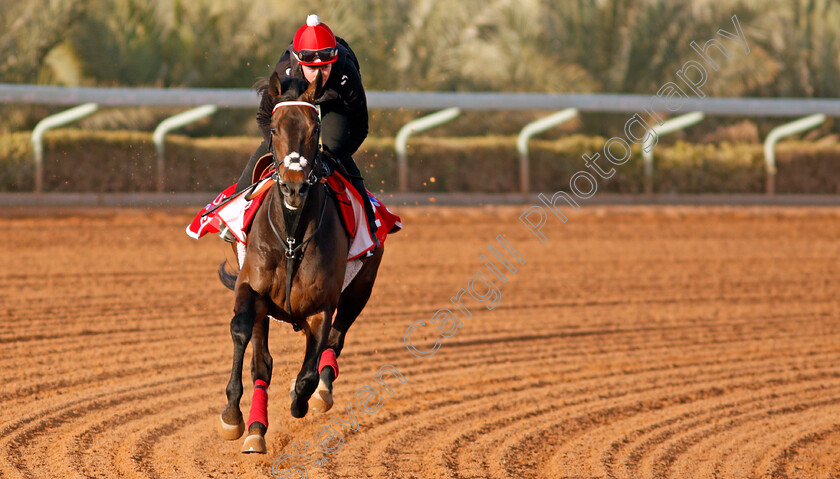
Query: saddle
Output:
(261,169)
(235,211)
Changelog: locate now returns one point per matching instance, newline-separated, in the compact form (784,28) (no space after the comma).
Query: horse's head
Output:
(295,129)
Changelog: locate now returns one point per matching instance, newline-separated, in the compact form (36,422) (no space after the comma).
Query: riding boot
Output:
(359,184)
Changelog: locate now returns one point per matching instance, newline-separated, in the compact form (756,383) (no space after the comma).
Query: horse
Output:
(293,271)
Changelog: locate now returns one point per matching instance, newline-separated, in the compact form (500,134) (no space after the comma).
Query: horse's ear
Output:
(274,87)
(314,90)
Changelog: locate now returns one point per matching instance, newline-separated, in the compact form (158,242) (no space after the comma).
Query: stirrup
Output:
(373,234)
(226,235)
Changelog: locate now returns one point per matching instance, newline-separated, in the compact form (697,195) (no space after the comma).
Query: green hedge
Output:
(85,161)
(16,158)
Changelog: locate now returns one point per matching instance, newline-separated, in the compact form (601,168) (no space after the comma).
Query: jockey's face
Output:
(310,72)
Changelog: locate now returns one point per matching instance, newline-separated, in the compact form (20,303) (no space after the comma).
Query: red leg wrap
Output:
(259,404)
(328,359)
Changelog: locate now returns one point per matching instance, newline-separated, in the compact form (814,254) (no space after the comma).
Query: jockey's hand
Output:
(327,153)
(328,158)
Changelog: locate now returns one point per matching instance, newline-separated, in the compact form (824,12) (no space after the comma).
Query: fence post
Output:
(415,126)
(173,123)
(48,123)
(535,128)
(777,134)
(675,124)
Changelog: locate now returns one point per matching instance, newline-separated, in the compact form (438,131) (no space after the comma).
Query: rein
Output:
(294,250)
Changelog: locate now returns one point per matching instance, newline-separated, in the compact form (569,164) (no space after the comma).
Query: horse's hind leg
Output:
(351,303)
(261,366)
(241,326)
(317,334)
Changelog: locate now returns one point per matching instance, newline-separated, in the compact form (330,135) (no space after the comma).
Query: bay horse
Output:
(294,266)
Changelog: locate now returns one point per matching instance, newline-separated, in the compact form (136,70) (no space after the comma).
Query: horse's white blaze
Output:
(294,161)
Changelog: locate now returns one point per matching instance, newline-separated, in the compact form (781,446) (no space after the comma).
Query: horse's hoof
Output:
(322,399)
(299,410)
(231,432)
(254,443)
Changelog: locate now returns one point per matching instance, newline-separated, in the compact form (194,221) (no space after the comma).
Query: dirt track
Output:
(637,342)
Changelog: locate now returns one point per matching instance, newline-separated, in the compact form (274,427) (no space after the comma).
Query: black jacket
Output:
(343,94)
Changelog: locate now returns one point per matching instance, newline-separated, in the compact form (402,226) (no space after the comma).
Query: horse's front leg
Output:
(261,366)
(317,334)
(350,305)
(241,326)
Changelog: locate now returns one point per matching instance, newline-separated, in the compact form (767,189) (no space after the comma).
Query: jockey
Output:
(343,105)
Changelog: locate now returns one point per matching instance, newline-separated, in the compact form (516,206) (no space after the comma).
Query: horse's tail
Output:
(226,276)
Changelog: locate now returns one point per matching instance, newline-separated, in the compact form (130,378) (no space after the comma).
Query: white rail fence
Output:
(572,104)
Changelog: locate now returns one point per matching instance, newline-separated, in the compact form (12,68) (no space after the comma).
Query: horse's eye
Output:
(273,131)
(303,188)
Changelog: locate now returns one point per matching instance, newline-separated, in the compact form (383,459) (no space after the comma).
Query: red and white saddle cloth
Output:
(238,212)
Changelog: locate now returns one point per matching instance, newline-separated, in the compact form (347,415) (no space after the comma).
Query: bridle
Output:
(294,250)
(312,178)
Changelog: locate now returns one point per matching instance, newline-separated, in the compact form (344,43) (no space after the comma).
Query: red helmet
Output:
(314,43)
